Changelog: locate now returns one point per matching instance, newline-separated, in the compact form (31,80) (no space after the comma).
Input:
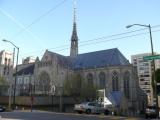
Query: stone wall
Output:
(38,100)
(47,103)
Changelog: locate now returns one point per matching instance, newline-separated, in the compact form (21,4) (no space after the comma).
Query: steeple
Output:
(74,37)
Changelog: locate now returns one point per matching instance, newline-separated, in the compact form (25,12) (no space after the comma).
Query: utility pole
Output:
(153,61)
(10,87)
(15,82)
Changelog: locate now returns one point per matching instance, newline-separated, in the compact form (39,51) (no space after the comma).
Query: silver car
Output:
(89,107)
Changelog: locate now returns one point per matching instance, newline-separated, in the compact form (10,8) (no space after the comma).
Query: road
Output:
(39,115)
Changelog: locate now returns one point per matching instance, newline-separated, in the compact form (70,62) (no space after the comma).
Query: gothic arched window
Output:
(90,79)
(44,83)
(115,81)
(126,79)
(102,81)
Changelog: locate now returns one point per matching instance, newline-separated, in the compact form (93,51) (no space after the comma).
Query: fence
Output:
(49,103)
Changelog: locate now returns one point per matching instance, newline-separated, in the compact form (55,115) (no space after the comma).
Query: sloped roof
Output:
(115,97)
(27,70)
(62,60)
(104,58)
(97,59)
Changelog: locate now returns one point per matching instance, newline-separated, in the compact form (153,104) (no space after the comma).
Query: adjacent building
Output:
(145,70)
(6,71)
(28,60)
(6,65)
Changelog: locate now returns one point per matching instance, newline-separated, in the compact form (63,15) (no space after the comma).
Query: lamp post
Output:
(152,51)
(10,86)
(15,82)
(30,91)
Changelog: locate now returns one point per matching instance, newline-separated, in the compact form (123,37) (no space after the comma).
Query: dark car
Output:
(151,112)
(2,108)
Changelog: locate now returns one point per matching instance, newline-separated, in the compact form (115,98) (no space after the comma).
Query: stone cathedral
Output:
(108,69)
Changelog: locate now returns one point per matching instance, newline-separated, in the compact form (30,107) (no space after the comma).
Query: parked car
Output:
(2,108)
(90,107)
(151,112)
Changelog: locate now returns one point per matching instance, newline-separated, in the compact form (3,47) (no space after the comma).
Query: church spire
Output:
(74,37)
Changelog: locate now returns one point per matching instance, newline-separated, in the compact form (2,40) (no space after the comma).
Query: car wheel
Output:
(106,112)
(79,112)
(88,111)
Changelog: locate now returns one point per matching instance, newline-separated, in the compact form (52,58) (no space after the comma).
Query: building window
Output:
(126,84)
(115,81)
(102,81)
(19,80)
(27,80)
(90,79)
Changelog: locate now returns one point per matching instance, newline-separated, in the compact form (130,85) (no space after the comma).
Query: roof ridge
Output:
(98,51)
(55,53)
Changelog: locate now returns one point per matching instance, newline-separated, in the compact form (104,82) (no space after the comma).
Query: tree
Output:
(72,86)
(88,91)
(76,86)
(157,75)
(3,86)
(157,79)
(3,81)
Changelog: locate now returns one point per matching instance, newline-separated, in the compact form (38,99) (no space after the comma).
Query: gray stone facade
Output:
(53,71)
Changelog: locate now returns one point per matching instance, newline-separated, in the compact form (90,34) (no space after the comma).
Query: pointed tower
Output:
(74,37)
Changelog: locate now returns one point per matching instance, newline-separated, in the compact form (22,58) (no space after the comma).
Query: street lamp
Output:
(15,82)
(152,51)
(10,86)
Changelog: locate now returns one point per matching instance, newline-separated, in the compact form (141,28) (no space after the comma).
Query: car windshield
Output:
(151,107)
(84,102)
(92,104)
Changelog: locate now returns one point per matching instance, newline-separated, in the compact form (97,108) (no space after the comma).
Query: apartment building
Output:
(145,69)
(6,64)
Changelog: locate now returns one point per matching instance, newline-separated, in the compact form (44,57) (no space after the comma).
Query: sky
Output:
(37,25)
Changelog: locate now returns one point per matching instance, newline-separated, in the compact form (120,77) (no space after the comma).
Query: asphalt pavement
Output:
(42,115)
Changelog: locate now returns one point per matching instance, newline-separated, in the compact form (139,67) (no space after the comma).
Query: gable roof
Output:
(62,60)
(27,70)
(110,57)
(97,59)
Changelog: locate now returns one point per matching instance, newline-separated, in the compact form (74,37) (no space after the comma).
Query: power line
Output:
(104,39)
(119,34)
(108,40)
(110,36)
(17,22)
(120,38)
(39,18)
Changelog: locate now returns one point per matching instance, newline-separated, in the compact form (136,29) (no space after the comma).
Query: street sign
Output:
(152,57)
